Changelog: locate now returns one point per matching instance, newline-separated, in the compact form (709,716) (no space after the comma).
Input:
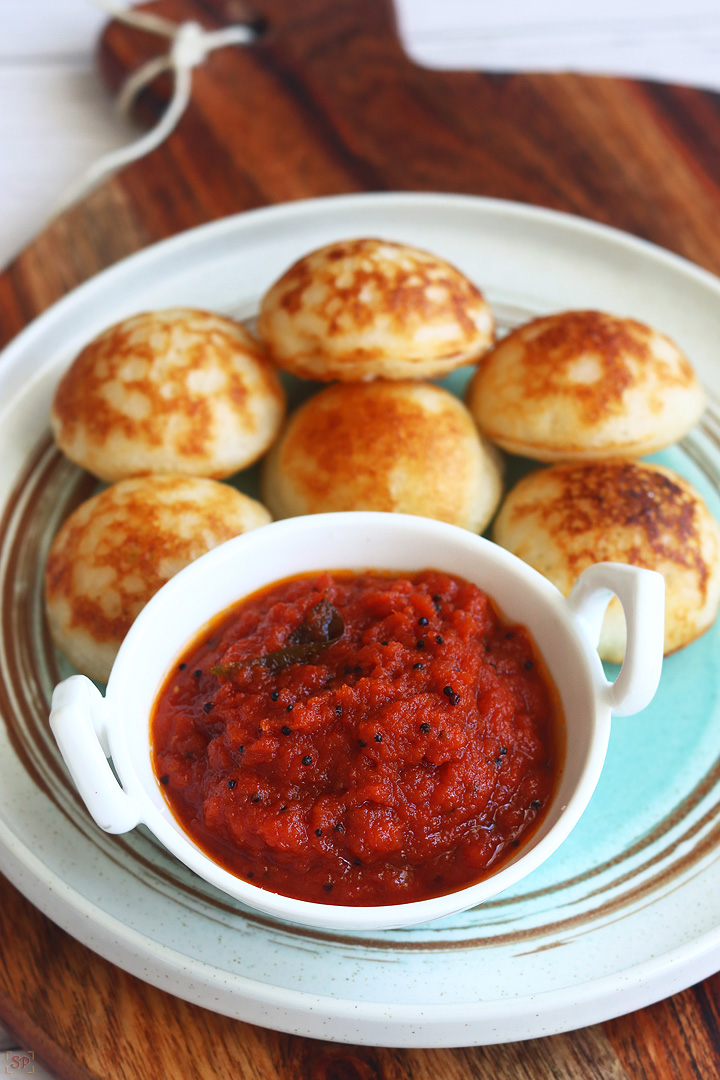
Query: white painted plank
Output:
(655,39)
(63,30)
(54,122)
(55,115)
(55,118)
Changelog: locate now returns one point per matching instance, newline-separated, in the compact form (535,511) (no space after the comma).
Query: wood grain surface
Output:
(326,102)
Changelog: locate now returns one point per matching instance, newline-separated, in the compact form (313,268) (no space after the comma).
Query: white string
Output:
(190,45)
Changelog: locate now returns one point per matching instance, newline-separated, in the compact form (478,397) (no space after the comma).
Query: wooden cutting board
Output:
(326,102)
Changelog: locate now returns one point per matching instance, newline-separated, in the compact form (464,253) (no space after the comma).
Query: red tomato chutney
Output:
(401,761)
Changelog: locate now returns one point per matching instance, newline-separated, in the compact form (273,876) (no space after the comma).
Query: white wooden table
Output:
(55,118)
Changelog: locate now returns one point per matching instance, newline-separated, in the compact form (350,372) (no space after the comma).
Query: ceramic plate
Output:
(626,912)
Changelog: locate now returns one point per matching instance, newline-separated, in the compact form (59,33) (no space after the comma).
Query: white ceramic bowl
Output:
(90,728)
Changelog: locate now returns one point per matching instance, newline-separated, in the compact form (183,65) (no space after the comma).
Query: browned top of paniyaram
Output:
(655,511)
(367,308)
(585,384)
(390,446)
(620,347)
(118,548)
(168,391)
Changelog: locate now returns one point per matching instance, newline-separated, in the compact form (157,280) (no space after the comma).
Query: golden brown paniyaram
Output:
(365,309)
(393,446)
(583,385)
(115,551)
(175,391)
(563,518)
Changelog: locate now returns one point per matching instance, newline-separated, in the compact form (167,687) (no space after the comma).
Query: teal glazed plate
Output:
(626,912)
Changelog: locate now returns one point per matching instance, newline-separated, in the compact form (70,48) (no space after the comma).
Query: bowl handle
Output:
(76,719)
(642,595)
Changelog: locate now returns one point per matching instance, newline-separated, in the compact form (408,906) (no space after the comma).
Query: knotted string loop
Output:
(190,46)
